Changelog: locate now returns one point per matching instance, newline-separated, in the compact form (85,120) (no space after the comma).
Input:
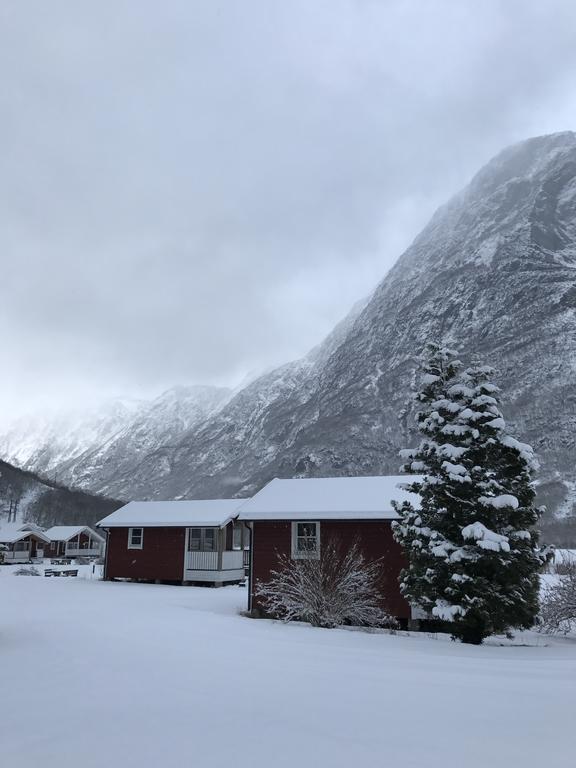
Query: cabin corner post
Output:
(185,563)
(105,572)
(250,527)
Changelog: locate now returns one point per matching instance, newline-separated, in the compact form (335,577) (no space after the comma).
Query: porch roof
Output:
(210,513)
(67,532)
(9,534)
(329,498)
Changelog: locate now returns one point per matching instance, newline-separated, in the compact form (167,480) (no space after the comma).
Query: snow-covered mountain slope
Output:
(42,442)
(76,449)
(157,424)
(25,497)
(494,273)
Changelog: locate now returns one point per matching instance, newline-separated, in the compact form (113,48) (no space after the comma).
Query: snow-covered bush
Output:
(558,603)
(340,587)
(472,545)
(27,570)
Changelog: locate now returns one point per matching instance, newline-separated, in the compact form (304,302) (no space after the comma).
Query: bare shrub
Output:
(27,570)
(340,587)
(558,603)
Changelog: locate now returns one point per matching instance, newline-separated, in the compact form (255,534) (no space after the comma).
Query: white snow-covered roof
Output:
(330,498)
(159,514)
(9,533)
(30,527)
(67,532)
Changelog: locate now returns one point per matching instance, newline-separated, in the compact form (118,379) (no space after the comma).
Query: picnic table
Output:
(63,572)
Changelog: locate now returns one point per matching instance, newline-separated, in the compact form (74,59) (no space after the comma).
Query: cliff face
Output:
(493,273)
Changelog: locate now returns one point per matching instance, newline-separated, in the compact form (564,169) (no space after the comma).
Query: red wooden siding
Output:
(162,556)
(375,538)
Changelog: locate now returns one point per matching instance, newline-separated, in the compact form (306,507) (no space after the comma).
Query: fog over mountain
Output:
(194,190)
(493,273)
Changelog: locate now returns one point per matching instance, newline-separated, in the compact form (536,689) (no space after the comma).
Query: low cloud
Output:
(190,191)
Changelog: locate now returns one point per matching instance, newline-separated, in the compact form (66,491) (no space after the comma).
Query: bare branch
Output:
(341,587)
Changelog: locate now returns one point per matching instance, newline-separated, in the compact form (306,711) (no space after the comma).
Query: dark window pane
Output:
(209,539)
(306,529)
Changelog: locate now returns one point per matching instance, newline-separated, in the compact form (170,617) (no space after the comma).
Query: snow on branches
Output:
(341,587)
(472,548)
(558,611)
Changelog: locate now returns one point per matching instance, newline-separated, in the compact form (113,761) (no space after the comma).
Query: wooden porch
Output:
(214,555)
(22,552)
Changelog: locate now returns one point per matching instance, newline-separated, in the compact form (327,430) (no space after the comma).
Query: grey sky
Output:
(191,190)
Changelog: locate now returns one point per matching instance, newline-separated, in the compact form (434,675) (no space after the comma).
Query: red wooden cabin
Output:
(294,518)
(74,541)
(181,542)
(22,544)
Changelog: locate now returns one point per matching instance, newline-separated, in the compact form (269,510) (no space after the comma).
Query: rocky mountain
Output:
(25,497)
(493,273)
(42,442)
(158,423)
(75,448)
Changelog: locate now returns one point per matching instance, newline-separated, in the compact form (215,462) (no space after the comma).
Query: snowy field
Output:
(111,674)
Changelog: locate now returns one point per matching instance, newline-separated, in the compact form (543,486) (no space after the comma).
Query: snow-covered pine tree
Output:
(472,546)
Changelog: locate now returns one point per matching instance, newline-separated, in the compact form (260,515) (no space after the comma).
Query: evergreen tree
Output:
(472,546)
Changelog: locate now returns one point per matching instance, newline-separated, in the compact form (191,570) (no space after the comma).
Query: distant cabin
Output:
(296,518)
(74,541)
(186,542)
(25,543)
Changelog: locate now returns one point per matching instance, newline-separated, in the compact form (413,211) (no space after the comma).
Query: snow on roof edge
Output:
(173,514)
(67,532)
(329,498)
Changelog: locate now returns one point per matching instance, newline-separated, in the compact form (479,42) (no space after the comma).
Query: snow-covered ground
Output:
(142,676)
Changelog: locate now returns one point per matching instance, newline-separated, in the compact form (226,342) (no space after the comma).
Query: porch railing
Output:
(86,552)
(208,561)
(202,561)
(21,554)
(232,561)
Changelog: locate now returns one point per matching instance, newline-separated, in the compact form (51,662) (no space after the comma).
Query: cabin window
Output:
(306,540)
(135,538)
(202,540)
(22,546)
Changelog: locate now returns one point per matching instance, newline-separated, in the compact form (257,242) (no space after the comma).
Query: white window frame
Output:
(202,538)
(131,544)
(311,554)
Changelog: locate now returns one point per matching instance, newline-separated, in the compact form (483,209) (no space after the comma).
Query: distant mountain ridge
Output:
(69,447)
(494,273)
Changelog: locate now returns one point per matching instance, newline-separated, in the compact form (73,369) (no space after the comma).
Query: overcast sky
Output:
(191,190)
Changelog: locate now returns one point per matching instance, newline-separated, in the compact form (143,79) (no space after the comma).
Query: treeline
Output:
(24,494)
